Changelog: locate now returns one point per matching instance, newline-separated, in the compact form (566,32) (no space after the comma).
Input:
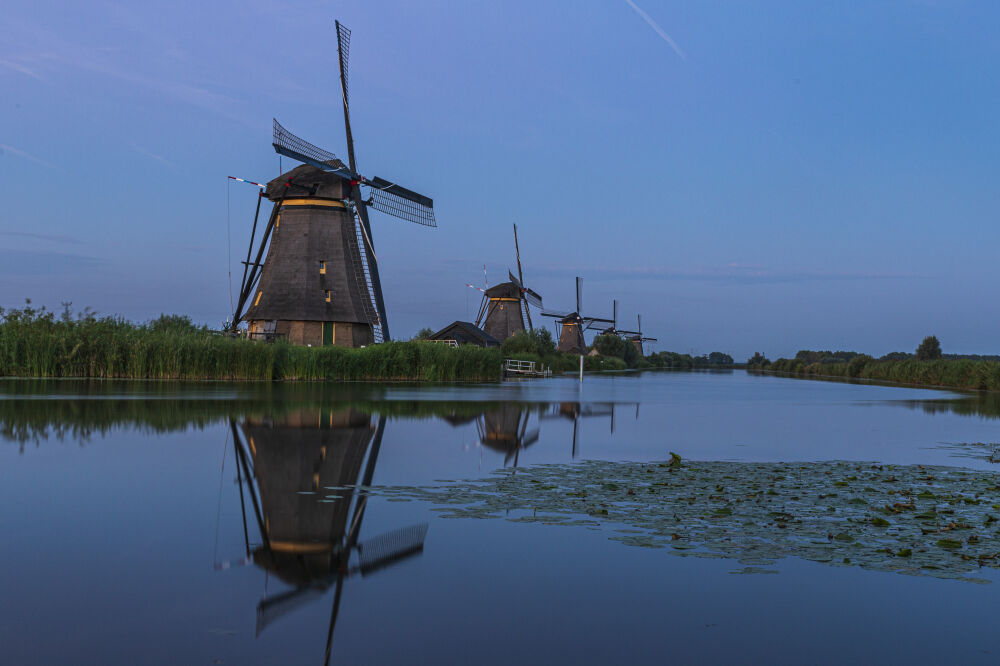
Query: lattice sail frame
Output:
(391,199)
(344,41)
(297,148)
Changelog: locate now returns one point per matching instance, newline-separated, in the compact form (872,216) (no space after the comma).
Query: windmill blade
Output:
(469,284)
(579,294)
(556,313)
(517,252)
(638,318)
(531,438)
(533,298)
(391,199)
(391,547)
(530,295)
(615,317)
(650,340)
(287,144)
(273,607)
(344,52)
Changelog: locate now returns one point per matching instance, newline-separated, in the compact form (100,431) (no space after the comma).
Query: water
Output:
(124,510)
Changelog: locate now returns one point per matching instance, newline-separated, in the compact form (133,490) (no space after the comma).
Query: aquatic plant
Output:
(931,521)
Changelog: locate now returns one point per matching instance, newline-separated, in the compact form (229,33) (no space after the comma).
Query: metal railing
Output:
(512,366)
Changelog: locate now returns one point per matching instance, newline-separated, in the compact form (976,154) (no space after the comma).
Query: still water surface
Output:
(206,524)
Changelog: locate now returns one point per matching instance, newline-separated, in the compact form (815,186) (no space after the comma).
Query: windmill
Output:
(287,465)
(636,337)
(320,284)
(504,307)
(572,325)
(613,329)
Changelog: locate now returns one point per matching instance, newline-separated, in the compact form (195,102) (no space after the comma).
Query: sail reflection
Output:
(305,476)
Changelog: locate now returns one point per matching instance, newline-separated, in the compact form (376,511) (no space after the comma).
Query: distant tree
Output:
(538,341)
(718,358)
(758,359)
(423,334)
(174,324)
(929,349)
(896,356)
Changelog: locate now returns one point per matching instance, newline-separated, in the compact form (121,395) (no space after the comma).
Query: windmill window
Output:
(257,300)
(327,295)
(322,268)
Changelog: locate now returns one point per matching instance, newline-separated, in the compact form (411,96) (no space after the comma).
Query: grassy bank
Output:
(35,343)
(950,373)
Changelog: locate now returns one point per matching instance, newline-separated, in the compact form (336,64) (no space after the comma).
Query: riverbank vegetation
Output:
(927,367)
(36,343)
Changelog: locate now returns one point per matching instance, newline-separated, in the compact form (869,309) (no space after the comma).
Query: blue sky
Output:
(749,176)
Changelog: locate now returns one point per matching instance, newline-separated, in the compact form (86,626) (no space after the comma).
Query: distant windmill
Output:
(505,306)
(573,324)
(320,284)
(613,329)
(636,337)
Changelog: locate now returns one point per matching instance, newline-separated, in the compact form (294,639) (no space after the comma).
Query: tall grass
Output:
(951,373)
(35,343)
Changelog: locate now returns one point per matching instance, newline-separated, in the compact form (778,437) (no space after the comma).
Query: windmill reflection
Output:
(505,429)
(575,411)
(305,475)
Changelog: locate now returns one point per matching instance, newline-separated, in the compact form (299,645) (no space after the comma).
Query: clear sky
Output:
(748,175)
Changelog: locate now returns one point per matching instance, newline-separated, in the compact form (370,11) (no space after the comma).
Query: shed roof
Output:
(466,332)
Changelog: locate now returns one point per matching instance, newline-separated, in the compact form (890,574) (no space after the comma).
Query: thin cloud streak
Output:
(660,31)
(153,156)
(4,148)
(57,238)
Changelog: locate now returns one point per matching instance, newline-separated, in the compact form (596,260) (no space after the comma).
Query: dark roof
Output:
(466,333)
(308,180)
(504,290)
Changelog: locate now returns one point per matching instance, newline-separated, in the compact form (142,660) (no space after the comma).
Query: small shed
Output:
(464,333)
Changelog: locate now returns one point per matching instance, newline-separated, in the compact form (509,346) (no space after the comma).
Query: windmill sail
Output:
(287,144)
(391,199)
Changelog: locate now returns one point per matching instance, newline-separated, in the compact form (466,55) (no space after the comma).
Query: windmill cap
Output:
(307,180)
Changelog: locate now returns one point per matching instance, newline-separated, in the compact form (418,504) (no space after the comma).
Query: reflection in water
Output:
(310,539)
(505,429)
(574,411)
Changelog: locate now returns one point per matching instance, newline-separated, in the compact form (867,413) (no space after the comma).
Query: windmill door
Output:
(327,333)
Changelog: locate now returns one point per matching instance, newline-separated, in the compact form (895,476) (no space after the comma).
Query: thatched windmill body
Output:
(319,283)
(573,324)
(505,306)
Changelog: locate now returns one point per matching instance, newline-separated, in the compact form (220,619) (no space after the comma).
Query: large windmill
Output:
(319,284)
(504,307)
(636,337)
(573,324)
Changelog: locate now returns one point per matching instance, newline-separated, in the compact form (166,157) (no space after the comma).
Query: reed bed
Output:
(950,373)
(35,343)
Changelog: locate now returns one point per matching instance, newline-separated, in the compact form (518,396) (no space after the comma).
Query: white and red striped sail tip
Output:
(475,287)
(244,180)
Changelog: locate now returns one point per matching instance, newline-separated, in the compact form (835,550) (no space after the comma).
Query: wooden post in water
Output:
(581,367)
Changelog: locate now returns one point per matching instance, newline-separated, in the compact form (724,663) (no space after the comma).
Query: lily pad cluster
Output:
(922,520)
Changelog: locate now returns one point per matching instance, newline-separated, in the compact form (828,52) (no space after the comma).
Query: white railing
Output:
(513,366)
